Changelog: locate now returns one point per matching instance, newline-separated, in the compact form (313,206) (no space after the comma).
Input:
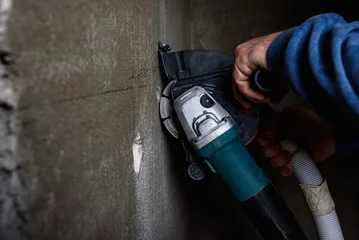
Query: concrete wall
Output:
(96,163)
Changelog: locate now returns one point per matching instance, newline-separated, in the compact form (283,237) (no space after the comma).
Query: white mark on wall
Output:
(158,93)
(5,5)
(144,162)
(137,153)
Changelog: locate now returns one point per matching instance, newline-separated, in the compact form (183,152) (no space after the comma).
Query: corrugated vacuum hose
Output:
(314,187)
(316,192)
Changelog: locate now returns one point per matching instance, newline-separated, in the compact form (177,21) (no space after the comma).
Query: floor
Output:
(97,164)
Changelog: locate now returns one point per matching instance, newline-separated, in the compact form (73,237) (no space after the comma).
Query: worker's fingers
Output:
(278,158)
(282,159)
(241,74)
(287,170)
(240,98)
(250,93)
(271,150)
(242,70)
(250,56)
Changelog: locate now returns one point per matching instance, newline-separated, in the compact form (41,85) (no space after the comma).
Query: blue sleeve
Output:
(320,58)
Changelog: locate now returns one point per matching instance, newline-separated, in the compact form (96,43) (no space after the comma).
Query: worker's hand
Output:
(301,125)
(250,56)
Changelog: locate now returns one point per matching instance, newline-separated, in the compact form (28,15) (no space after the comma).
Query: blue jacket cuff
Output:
(276,51)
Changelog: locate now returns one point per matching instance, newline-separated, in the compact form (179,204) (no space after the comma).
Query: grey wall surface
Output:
(96,161)
(89,106)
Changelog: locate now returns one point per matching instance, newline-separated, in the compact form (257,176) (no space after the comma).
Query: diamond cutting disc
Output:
(167,113)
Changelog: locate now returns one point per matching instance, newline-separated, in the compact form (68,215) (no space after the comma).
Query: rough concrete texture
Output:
(96,163)
(89,98)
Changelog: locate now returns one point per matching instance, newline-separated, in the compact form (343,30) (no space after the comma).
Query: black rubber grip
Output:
(271,216)
(264,81)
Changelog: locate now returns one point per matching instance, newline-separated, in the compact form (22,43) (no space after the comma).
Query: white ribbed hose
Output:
(316,192)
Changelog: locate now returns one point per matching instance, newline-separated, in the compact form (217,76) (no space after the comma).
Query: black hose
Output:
(271,216)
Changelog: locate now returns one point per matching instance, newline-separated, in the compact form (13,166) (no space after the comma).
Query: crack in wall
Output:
(65,100)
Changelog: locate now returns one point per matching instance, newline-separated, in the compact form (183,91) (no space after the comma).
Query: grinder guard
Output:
(213,72)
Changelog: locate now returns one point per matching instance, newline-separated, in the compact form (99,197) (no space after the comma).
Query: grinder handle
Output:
(269,84)
(231,160)
(260,201)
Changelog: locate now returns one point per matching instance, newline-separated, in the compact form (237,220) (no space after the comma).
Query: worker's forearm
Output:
(321,60)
